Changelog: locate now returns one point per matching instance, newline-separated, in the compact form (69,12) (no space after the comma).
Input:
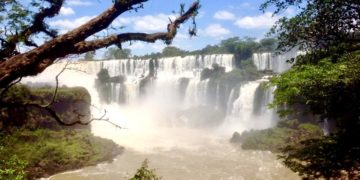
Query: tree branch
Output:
(168,36)
(57,118)
(100,22)
(57,85)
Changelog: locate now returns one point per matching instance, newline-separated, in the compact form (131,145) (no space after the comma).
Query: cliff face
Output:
(34,145)
(71,104)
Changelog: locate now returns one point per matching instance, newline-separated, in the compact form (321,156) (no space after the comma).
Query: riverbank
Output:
(286,132)
(27,154)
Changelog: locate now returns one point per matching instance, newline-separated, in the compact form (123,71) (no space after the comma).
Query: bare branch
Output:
(121,38)
(55,116)
(57,85)
(100,22)
(8,87)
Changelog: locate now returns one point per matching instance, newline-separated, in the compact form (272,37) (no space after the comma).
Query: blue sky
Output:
(217,20)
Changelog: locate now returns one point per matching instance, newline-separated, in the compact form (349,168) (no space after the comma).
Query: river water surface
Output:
(179,153)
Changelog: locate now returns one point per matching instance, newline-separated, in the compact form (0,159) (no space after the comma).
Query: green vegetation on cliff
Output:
(34,145)
(43,152)
(67,101)
(287,132)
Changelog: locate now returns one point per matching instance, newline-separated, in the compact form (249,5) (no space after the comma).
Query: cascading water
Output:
(158,124)
(268,61)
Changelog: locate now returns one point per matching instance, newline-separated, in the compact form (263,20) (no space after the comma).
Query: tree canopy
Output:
(117,53)
(325,80)
(89,55)
(321,24)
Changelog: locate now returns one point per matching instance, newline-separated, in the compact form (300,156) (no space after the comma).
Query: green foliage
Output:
(335,156)
(247,72)
(326,80)
(117,53)
(17,93)
(243,48)
(14,16)
(329,89)
(20,23)
(171,51)
(144,173)
(89,56)
(46,151)
(73,94)
(265,140)
(268,45)
(11,167)
(274,139)
(320,25)
(66,102)
(214,73)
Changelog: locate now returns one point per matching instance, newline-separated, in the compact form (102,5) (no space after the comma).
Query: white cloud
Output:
(158,46)
(216,30)
(78,3)
(66,11)
(200,15)
(245,5)
(148,23)
(65,24)
(136,45)
(121,21)
(224,15)
(152,23)
(257,22)
(181,36)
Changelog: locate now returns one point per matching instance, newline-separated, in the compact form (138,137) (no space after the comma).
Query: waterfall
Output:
(269,61)
(176,90)
(242,116)
(231,99)
(326,127)
(196,92)
(175,119)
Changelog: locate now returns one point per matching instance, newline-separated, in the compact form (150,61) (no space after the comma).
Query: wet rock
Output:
(236,137)
(216,72)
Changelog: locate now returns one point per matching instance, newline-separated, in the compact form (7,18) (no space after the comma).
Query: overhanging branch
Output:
(168,36)
(38,59)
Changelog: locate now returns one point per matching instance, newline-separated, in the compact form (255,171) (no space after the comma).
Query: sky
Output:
(217,20)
